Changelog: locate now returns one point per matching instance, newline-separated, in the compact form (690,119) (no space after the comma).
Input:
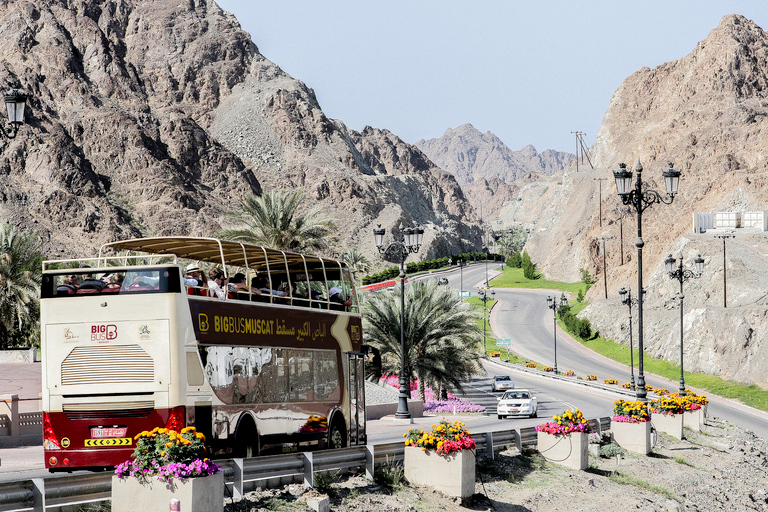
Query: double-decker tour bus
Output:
(129,344)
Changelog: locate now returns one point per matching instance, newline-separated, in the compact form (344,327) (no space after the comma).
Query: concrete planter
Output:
(694,419)
(569,450)
(671,424)
(452,474)
(633,437)
(201,494)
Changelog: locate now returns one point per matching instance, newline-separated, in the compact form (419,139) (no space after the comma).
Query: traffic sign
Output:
(465,293)
(503,342)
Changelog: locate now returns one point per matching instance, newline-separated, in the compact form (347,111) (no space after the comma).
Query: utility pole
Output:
(581,147)
(724,236)
(600,197)
(605,275)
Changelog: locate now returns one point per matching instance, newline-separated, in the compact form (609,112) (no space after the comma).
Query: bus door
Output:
(356,387)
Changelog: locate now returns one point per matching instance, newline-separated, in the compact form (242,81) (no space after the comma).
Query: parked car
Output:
(518,402)
(502,382)
(442,280)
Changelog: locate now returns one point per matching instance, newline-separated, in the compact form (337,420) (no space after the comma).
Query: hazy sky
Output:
(529,71)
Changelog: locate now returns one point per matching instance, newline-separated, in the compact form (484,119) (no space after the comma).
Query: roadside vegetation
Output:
(20,275)
(440,335)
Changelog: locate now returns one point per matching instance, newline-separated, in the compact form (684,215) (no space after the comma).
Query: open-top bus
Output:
(127,346)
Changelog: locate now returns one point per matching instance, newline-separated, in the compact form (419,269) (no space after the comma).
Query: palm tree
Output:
(440,334)
(20,275)
(357,261)
(275,220)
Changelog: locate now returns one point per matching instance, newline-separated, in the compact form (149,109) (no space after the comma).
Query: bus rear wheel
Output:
(337,435)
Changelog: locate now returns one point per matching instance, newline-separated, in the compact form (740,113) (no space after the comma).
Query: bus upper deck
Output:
(286,278)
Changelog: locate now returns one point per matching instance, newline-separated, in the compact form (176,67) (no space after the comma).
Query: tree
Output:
(357,261)
(20,276)
(275,220)
(529,268)
(513,240)
(440,334)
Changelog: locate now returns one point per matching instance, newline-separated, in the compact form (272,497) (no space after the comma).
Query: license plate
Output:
(127,441)
(101,433)
(514,409)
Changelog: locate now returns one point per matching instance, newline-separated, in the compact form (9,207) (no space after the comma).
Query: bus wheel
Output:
(337,436)
(246,441)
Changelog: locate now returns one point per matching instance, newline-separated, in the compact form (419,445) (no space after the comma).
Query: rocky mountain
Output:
(155,117)
(708,114)
(472,155)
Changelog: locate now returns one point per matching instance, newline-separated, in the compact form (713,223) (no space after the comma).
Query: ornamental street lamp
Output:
(410,241)
(553,305)
(484,297)
(15,101)
(641,198)
(626,298)
(683,274)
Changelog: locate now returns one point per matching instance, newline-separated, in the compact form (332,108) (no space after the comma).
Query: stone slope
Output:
(128,133)
(471,155)
(706,113)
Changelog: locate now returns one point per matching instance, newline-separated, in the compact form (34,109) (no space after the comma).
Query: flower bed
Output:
(610,381)
(451,405)
(530,365)
(565,423)
(444,438)
(630,411)
(627,385)
(494,354)
(432,405)
(168,454)
(661,391)
(548,369)
(591,376)
(669,404)
(570,373)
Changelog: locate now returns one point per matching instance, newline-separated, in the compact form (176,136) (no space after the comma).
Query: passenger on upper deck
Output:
(338,302)
(237,283)
(216,280)
(193,276)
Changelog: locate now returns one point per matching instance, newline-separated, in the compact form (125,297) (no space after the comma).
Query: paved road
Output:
(523,316)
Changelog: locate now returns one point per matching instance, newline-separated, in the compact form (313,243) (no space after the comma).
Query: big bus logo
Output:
(202,320)
(103,333)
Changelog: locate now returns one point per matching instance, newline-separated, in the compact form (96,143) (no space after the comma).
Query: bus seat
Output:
(65,289)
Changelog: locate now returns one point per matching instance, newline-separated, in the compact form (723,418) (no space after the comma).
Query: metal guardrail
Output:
(243,475)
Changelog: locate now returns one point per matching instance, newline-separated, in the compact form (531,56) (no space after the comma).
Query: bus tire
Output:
(337,434)
(246,440)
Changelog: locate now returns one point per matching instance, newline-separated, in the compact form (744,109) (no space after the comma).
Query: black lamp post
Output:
(683,274)
(484,297)
(626,298)
(15,101)
(553,305)
(641,198)
(409,242)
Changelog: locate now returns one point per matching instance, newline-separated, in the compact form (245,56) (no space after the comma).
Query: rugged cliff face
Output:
(471,155)
(706,113)
(153,117)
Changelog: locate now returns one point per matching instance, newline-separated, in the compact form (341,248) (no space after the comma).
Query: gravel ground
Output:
(375,394)
(724,468)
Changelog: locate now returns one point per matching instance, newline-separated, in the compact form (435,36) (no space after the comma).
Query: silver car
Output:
(518,402)
(502,383)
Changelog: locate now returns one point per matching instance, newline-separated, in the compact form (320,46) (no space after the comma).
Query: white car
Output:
(517,402)
(502,383)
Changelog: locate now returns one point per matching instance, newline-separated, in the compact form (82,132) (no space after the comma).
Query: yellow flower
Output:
(168,445)
(162,454)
